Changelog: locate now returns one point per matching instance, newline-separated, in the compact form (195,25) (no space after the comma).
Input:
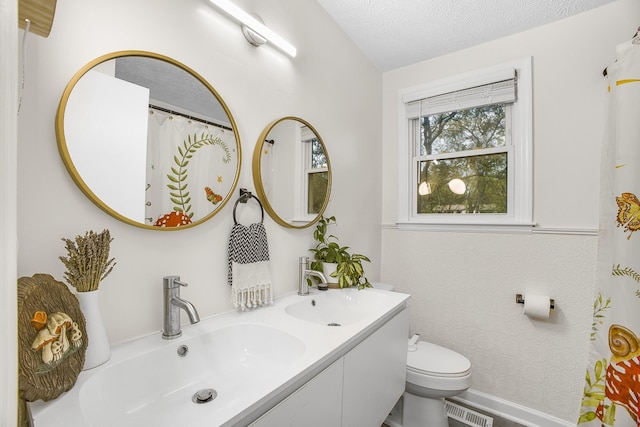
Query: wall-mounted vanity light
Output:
(254,31)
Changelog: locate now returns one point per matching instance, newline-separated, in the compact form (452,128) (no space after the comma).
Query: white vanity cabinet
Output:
(375,374)
(279,366)
(316,404)
(358,389)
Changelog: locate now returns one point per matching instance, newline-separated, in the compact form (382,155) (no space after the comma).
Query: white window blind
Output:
(499,92)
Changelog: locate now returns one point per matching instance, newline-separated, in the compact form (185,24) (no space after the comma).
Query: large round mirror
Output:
(148,140)
(292,172)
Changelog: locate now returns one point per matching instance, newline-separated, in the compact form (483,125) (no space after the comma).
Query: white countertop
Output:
(322,346)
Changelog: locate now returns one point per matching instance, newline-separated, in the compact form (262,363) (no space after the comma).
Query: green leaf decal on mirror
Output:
(179,195)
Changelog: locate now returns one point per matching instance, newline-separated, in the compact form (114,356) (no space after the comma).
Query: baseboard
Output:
(509,410)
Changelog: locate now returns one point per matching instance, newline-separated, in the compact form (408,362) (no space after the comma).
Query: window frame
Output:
(519,152)
(304,168)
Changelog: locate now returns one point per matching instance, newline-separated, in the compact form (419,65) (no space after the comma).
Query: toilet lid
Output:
(431,359)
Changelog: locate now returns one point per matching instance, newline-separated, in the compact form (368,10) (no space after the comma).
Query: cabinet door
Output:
(375,373)
(318,403)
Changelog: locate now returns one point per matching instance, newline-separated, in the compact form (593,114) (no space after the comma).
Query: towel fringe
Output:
(252,297)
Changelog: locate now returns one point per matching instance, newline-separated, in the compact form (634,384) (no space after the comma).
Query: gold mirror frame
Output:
(259,184)
(75,175)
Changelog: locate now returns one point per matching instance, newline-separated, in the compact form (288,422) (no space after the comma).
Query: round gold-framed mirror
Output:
(292,172)
(148,140)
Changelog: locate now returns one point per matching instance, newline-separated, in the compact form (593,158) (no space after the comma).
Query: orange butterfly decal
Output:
(211,196)
(628,213)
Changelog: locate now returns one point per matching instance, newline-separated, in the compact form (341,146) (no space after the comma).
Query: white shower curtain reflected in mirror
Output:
(188,167)
(612,384)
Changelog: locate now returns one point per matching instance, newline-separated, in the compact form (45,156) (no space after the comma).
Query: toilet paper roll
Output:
(537,306)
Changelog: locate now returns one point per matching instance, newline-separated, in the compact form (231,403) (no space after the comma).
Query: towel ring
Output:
(244,196)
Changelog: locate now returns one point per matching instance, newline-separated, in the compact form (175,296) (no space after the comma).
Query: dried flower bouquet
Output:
(88,260)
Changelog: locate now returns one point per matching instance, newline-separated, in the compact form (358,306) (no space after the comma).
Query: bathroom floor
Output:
(497,421)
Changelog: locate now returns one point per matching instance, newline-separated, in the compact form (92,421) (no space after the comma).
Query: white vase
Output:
(328,268)
(98,348)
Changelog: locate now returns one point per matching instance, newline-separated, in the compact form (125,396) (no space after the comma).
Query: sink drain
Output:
(333,324)
(183,350)
(204,396)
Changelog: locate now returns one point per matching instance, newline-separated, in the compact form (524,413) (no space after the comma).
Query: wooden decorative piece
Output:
(52,338)
(40,13)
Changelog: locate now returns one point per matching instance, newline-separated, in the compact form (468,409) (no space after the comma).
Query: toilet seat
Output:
(434,360)
(435,369)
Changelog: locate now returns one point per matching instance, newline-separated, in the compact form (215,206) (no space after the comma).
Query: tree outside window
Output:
(467,140)
(468,182)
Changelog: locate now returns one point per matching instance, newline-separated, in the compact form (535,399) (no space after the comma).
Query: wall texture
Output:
(463,285)
(8,211)
(330,84)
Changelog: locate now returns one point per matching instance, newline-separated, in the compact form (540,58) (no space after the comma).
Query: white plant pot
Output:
(98,348)
(328,270)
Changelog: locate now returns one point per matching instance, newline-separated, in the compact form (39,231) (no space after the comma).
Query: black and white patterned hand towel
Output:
(248,269)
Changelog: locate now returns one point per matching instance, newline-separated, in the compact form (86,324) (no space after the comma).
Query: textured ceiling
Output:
(397,33)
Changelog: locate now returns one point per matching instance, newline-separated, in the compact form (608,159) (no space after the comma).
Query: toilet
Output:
(433,374)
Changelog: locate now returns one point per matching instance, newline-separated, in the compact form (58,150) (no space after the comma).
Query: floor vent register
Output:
(467,416)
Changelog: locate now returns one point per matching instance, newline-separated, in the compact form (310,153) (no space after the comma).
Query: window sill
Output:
(521,228)
(512,227)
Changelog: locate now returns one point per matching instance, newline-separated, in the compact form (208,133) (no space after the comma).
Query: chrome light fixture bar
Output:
(256,26)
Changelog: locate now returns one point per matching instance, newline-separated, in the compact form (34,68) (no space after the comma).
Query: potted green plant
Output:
(336,261)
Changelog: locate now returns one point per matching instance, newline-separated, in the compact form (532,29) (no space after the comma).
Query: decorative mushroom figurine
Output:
(55,332)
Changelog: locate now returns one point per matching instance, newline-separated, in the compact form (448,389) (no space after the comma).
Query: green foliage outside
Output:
(485,175)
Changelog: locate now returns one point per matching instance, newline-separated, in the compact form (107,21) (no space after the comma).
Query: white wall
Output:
(8,209)
(463,285)
(330,84)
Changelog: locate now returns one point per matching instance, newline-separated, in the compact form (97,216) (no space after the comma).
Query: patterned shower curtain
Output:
(612,383)
(189,166)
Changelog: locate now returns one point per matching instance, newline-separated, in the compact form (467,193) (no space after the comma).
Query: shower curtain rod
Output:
(634,39)
(166,110)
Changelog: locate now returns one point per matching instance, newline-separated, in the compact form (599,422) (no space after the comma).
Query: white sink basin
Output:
(252,360)
(157,387)
(337,307)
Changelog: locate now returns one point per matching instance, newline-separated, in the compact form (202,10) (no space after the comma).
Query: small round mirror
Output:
(292,172)
(148,140)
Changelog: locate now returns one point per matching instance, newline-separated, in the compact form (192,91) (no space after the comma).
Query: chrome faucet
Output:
(172,305)
(304,272)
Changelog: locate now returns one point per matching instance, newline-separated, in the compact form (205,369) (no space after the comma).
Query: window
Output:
(465,149)
(315,173)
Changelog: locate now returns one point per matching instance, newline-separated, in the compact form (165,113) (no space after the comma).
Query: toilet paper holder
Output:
(520,300)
